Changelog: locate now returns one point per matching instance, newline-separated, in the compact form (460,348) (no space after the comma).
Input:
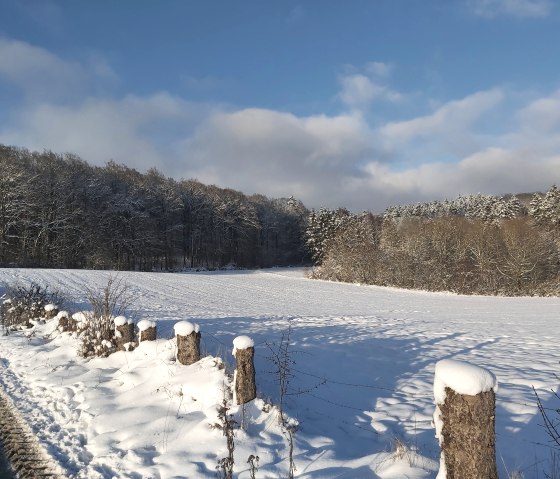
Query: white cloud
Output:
(526,158)
(379,69)
(100,130)
(323,160)
(278,154)
(490,171)
(331,160)
(41,75)
(358,90)
(542,114)
(457,115)
(514,8)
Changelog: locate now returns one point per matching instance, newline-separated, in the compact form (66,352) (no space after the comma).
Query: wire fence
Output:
(311,382)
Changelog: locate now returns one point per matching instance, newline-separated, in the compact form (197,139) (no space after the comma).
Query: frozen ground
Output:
(364,369)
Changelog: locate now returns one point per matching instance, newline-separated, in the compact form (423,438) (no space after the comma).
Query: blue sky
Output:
(362,104)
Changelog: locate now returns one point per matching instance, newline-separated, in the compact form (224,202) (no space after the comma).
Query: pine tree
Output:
(321,228)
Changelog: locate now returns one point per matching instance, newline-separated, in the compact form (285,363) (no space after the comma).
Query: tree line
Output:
(56,210)
(474,245)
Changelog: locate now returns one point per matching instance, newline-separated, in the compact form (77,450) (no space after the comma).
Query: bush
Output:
(25,303)
(551,418)
(97,336)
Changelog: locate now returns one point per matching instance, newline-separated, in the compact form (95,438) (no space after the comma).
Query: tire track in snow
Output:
(27,458)
(38,420)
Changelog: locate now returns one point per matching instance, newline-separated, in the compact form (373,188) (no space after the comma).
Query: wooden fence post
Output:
(146,330)
(65,323)
(81,320)
(51,311)
(188,342)
(245,387)
(124,333)
(465,420)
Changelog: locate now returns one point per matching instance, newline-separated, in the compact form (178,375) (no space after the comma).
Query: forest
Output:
(477,244)
(58,211)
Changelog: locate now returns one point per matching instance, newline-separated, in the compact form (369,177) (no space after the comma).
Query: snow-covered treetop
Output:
(485,207)
(242,342)
(322,226)
(463,378)
(546,209)
(50,307)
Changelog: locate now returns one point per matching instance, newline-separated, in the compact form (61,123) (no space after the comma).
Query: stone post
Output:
(465,420)
(188,342)
(244,380)
(146,330)
(124,333)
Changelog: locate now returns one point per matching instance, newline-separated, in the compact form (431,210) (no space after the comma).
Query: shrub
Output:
(97,337)
(26,302)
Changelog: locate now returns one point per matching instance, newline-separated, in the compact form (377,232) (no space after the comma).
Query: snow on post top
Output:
(242,342)
(120,321)
(145,324)
(184,328)
(80,317)
(463,378)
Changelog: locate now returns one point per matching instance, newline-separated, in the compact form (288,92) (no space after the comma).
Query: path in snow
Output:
(22,455)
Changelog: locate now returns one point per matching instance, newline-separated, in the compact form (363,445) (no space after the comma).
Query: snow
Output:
(242,342)
(80,317)
(62,314)
(120,321)
(50,307)
(145,324)
(184,328)
(364,369)
(463,378)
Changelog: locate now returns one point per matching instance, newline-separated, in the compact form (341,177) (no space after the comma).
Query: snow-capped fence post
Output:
(124,333)
(465,420)
(51,311)
(146,330)
(244,380)
(188,342)
(65,322)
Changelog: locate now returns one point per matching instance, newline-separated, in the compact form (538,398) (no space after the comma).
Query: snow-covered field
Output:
(365,359)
